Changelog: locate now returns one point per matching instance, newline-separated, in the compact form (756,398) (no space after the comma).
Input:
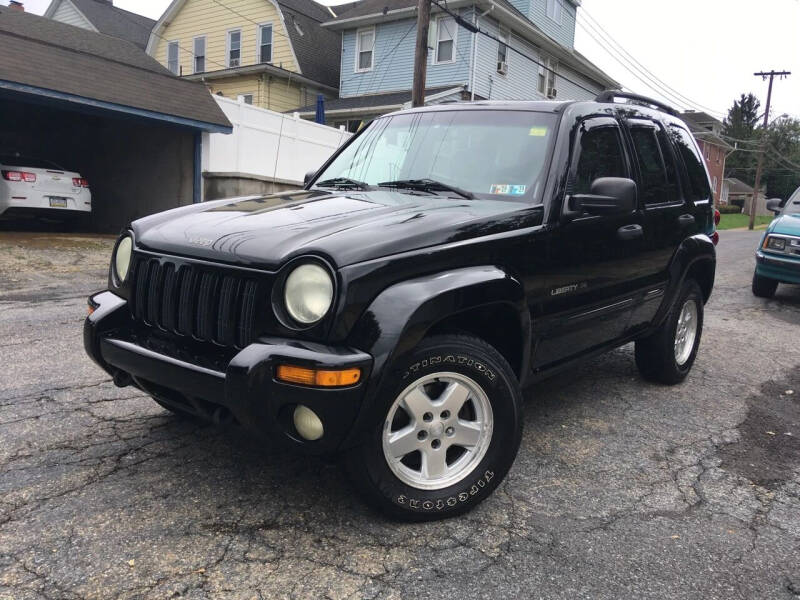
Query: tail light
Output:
(717,217)
(80,182)
(715,237)
(19,176)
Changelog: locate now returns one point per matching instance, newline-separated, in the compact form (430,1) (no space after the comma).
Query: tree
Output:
(781,175)
(742,127)
(742,124)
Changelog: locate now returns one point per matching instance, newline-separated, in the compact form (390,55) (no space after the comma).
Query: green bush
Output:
(730,209)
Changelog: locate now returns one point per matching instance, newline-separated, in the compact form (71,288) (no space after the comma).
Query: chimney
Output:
(16,5)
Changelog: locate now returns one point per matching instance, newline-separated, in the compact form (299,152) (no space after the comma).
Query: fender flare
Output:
(691,252)
(402,314)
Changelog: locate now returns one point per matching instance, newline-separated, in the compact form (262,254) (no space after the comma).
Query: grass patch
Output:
(736,221)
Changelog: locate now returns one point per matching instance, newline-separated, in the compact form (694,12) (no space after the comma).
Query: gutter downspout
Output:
(473,74)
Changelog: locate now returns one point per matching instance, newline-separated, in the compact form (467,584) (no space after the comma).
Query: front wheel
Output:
(667,355)
(764,287)
(449,429)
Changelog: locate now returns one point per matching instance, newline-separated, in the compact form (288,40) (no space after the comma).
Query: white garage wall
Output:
(268,144)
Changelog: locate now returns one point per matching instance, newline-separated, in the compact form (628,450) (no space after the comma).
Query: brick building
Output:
(707,131)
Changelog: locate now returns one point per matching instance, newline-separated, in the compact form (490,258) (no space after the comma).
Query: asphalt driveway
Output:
(622,489)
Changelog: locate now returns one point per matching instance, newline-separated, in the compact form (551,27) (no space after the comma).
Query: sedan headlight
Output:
(308,293)
(776,243)
(122,258)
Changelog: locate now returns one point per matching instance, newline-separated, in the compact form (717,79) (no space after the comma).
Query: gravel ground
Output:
(622,489)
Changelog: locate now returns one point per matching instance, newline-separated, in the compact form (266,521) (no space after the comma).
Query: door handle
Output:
(630,232)
(686,220)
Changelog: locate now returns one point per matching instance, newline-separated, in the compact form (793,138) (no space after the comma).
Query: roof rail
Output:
(609,96)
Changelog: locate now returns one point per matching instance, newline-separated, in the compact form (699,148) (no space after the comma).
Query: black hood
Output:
(344,227)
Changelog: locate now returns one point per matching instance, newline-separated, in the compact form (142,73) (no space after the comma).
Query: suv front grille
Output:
(207,304)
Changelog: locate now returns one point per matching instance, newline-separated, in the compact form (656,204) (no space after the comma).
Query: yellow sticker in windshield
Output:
(538,131)
(511,190)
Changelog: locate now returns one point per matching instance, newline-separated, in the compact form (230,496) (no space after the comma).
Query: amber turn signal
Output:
(91,310)
(317,377)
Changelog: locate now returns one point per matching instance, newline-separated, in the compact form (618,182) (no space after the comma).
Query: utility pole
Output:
(421,53)
(757,186)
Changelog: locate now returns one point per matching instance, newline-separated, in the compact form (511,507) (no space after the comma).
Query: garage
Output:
(99,106)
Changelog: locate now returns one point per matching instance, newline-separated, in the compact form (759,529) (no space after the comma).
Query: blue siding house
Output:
(377,56)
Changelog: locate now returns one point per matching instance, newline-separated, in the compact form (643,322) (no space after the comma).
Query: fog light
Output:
(307,423)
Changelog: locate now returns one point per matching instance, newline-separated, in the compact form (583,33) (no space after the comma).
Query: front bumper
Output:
(781,268)
(202,379)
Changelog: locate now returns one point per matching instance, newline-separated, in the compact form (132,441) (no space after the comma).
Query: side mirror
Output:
(774,205)
(607,195)
(308,177)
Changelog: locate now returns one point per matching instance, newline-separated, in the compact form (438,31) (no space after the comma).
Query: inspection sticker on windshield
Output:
(511,190)
(538,131)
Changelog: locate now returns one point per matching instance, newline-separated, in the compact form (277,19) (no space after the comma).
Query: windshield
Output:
(483,153)
(792,206)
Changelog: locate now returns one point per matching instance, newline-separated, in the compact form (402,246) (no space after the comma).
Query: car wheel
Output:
(764,287)
(448,431)
(667,355)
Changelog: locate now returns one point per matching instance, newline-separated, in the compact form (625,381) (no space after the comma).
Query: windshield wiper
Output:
(343,182)
(427,185)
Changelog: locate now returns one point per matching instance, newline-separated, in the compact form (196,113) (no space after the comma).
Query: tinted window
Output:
(600,156)
(698,188)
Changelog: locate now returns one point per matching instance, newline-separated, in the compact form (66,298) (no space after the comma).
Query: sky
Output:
(706,51)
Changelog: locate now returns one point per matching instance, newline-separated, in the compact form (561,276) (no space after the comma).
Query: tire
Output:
(451,367)
(657,355)
(764,287)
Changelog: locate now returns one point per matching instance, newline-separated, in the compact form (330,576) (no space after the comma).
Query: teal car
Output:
(778,254)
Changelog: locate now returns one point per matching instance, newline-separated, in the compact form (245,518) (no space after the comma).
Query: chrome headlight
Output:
(122,258)
(775,243)
(308,293)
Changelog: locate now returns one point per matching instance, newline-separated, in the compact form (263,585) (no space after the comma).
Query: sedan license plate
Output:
(57,202)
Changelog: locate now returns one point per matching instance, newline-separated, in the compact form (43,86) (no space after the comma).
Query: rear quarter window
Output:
(698,187)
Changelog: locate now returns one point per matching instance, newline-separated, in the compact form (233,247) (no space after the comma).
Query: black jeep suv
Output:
(393,310)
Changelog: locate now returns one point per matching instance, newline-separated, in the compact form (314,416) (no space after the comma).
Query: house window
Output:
(200,54)
(554,10)
(365,48)
(235,48)
(714,184)
(547,76)
(502,52)
(265,43)
(172,57)
(246,98)
(445,40)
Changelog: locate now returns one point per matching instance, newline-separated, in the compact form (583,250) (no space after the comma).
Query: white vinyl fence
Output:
(267,144)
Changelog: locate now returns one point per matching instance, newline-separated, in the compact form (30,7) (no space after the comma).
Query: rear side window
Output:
(656,166)
(601,155)
(698,188)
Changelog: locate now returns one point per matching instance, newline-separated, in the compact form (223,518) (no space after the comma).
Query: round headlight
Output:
(122,258)
(308,293)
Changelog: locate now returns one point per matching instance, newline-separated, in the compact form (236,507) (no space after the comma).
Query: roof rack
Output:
(609,96)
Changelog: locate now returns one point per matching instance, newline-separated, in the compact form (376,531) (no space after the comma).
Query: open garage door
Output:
(133,168)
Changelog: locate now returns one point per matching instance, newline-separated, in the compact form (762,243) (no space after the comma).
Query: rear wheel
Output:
(764,287)
(447,433)
(667,355)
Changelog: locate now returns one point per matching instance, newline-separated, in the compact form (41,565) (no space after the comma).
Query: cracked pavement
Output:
(622,489)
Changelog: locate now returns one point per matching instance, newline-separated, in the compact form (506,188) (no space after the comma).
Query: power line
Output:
(645,69)
(641,78)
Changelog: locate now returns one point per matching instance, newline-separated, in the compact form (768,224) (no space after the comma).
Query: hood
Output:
(345,228)
(786,224)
